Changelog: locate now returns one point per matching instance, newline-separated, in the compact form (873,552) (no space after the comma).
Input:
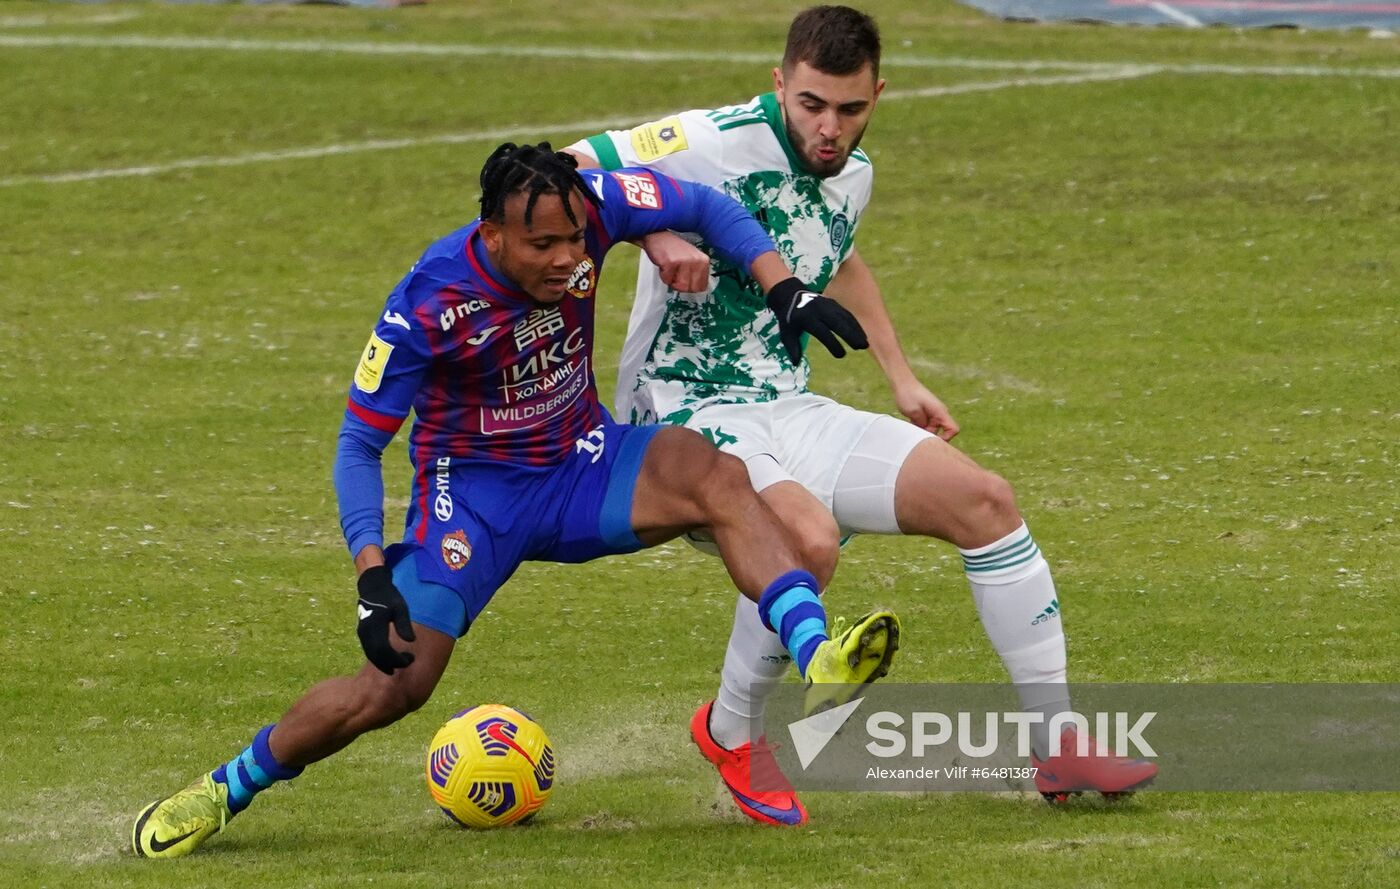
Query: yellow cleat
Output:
(178,824)
(851,659)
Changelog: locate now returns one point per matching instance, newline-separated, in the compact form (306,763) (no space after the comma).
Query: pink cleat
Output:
(1068,773)
(736,767)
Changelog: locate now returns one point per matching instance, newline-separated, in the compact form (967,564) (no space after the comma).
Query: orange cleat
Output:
(736,769)
(1068,773)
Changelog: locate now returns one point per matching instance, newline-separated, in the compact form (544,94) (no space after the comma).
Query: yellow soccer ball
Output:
(490,766)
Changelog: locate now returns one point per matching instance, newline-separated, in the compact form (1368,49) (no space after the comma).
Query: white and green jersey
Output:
(685,351)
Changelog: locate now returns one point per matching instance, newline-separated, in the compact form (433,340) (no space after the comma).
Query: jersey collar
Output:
(774,113)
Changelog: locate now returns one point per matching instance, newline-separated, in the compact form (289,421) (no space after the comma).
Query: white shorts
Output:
(847,458)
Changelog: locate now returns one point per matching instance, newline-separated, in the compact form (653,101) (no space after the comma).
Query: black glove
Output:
(380,605)
(801,310)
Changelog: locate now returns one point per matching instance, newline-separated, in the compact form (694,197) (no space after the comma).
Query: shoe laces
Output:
(760,755)
(192,808)
(840,627)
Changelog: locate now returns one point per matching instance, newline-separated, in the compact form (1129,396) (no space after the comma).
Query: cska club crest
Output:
(582,281)
(456,551)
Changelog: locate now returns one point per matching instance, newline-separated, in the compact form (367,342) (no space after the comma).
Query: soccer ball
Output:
(490,766)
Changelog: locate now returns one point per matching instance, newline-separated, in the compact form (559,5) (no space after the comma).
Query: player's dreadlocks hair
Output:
(534,170)
(834,40)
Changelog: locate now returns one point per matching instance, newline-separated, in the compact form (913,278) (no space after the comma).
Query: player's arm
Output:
(854,286)
(686,146)
(585,160)
(381,395)
(359,486)
(638,201)
(682,266)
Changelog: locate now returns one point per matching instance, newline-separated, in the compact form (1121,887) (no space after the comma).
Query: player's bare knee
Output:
(392,699)
(414,694)
(992,512)
(819,549)
(817,538)
(1000,498)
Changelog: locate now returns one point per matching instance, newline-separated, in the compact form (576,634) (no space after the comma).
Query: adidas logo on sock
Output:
(1050,611)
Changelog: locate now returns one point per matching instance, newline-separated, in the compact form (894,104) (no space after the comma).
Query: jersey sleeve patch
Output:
(370,374)
(653,141)
(640,190)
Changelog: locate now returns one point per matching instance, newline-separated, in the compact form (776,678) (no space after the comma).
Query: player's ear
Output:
(879,87)
(490,235)
(778,83)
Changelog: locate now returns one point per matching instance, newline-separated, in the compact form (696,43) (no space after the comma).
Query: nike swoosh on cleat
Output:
(159,846)
(790,815)
(140,823)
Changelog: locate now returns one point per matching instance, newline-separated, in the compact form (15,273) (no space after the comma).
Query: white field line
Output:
(596,53)
(45,21)
(534,130)
(1177,15)
(989,379)
(283,154)
(1127,72)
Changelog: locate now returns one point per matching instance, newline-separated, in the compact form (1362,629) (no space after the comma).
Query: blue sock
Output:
(252,771)
(790,608)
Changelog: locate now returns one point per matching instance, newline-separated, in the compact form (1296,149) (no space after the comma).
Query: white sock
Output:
(1016,600)
(754,664)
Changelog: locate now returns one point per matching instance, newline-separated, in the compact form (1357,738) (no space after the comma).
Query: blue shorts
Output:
(471,523)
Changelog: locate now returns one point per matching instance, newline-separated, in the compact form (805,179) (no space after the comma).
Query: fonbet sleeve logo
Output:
(640,190)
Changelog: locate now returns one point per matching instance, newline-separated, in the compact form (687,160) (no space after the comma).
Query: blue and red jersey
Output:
(490,373)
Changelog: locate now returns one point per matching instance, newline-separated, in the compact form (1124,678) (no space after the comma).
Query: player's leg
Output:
(887,476)
(337,711)
(661,482)
(684,483)
(754,664)
(754,660)
(808,521)
(729,730)
(324,720)
(940,492)
(444,583)
(898,479)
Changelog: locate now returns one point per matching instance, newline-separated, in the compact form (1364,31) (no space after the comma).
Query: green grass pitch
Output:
(1157,286)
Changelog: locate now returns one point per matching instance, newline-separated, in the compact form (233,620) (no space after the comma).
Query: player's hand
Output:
(381,604)
(801,310)
(926,410)
(684,267)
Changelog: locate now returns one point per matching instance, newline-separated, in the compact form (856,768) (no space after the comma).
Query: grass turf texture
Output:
(1163,307)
